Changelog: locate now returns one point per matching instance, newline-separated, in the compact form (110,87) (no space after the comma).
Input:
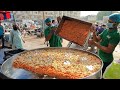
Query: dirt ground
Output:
(33,42)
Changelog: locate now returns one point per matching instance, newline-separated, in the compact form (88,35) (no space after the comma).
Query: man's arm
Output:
(22,39)
(95,37)
(48,37)
(11,38)
(108,49)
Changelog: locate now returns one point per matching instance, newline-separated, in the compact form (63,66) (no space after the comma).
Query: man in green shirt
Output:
(107,40)
(50,35)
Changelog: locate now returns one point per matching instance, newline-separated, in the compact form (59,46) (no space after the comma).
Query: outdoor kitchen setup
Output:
(71,62)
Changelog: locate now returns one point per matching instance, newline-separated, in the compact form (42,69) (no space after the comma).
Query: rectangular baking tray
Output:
(74,30)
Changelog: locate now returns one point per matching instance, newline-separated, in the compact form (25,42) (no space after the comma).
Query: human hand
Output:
(59,19)
(93,29)
(91,42)
(53,29)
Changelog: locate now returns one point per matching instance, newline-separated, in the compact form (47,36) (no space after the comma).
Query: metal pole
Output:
(13,17)
(43,20)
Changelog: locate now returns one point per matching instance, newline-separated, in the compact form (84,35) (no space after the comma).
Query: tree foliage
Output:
(104,13)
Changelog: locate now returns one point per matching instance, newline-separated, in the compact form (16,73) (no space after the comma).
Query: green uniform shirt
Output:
(55,40)
(108,37)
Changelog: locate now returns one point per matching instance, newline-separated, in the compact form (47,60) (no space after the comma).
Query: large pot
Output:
(10,72)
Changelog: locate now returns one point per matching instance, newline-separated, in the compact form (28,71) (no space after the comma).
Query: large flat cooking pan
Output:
(9,71)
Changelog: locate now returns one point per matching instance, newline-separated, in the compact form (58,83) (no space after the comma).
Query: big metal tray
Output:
(74,30)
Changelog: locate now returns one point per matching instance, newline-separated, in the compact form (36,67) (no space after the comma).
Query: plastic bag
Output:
(113,70)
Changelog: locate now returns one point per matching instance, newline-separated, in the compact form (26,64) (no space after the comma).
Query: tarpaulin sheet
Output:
(5,15)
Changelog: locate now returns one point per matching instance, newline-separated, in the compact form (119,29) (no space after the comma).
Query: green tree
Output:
(104,13)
